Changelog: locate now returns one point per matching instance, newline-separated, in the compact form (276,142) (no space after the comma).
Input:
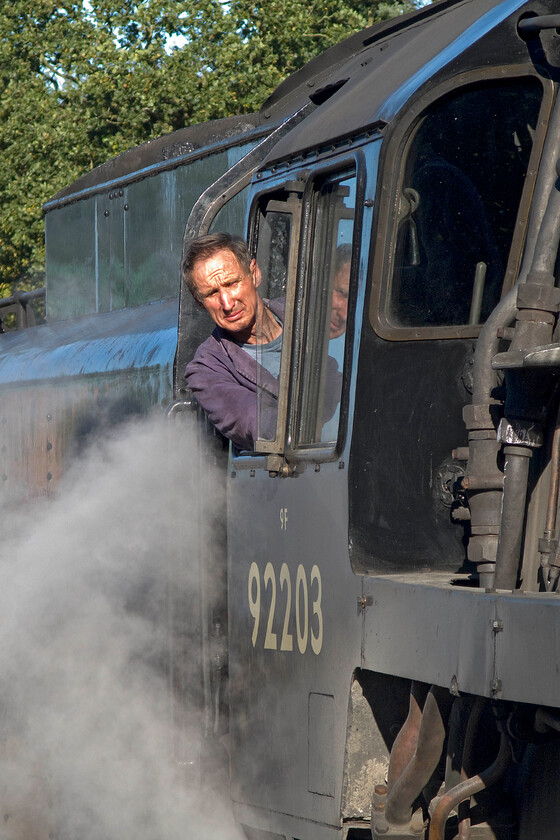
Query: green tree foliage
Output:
(82,81)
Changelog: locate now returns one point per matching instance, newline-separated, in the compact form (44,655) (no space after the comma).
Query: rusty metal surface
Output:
(366,760)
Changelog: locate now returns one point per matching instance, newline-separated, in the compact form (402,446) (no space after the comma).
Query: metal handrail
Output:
(18,303)
(22,297)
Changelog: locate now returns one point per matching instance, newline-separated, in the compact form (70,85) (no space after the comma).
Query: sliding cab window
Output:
(322,311)
(454,217)
(274,238)
(305,279)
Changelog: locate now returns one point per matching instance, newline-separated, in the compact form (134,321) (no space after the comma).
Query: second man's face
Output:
(339,310)
(228,293)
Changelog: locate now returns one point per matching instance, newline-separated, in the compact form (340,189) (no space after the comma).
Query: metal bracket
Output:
(178,406)
(364,602)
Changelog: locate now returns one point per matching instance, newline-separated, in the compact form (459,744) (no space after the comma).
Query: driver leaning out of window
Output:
(238,393)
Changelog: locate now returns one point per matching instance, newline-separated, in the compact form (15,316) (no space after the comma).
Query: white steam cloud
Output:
(87,747)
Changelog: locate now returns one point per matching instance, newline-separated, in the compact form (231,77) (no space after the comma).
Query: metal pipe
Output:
(528,333)
(478,292)
(464,829)
(468,788)
(549,547)
(516,474)
(484,378)
(472,728)
(491,481)
(407,738)
(552,509)
(424,762)
(537,24)
(546,247)
(467,766)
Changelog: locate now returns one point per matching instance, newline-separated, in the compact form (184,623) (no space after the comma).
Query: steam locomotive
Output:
(388,580)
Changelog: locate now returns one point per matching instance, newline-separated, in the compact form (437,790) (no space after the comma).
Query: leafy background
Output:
(81,82)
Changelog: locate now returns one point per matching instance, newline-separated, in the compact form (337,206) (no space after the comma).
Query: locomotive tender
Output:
(392,576)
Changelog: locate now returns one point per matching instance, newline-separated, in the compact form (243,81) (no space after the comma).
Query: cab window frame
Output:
(294,206)
(300,250)
(392,165)
(344,167)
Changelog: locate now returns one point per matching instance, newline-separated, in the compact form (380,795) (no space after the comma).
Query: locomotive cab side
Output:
(363,531)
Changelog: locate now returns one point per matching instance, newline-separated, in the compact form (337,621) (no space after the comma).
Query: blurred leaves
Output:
(82,82)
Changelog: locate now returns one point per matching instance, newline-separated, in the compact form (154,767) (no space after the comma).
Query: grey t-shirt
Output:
(267,355)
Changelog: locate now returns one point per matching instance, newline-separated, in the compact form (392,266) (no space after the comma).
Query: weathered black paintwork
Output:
(401,455)
(399,597)
(363,577)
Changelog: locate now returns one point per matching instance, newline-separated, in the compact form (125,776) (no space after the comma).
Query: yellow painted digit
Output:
(317,639)
(270,641)
(286,643)
(302,633)
(255,602)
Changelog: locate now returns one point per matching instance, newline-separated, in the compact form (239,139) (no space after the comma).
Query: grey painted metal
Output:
(424,628)
(274,692)
(492,644)
(278,826)
(265,702)
(129,240)
(313,77)
(437,629)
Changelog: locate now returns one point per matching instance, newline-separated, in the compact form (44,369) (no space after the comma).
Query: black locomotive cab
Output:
(392,223)
(458,177)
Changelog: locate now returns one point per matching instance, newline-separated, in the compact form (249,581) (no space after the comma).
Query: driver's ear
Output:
(255,273)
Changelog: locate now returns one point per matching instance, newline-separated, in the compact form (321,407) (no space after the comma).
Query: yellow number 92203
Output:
(308,626)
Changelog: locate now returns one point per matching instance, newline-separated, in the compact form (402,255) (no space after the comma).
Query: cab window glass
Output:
(276,217)
(322,308)
(273,249)
(456,207)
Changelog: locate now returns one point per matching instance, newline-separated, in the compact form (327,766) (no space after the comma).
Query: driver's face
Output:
(228,293)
